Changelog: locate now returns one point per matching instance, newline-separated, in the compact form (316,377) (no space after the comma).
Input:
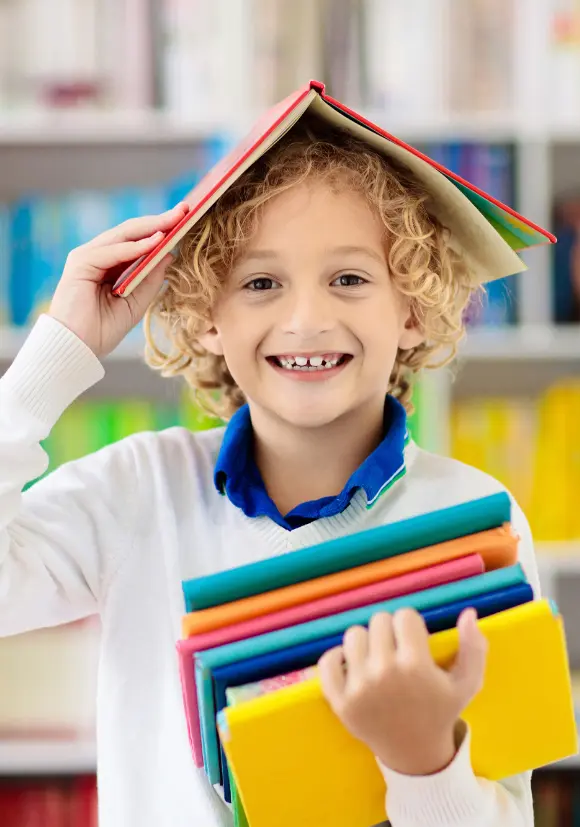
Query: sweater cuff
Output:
(52,368)
(450,798)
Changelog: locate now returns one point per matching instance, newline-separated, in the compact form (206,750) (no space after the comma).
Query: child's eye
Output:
(261,283)
(349,280)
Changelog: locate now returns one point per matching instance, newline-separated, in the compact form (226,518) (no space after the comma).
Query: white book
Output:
(482,47)
(195,63)
(264,50)
(57,45)
(126,57)
(406,57)
(563,48)
(6,56)
(342,30)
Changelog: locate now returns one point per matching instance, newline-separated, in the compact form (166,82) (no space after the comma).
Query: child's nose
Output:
(308,314)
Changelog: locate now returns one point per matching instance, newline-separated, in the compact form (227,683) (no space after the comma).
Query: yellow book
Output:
(522,437)
(509,445)
(573,489)
(549,512)
(294,763)
(468,433)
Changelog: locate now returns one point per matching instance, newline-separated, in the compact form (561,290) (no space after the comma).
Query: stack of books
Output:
(257,718)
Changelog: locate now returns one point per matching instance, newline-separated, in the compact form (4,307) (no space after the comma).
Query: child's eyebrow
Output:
(260,255)
(349,249)
(342,250)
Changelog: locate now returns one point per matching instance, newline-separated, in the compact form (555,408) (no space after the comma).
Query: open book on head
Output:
(486,232)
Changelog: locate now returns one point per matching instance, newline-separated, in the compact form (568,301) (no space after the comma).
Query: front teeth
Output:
(305,363)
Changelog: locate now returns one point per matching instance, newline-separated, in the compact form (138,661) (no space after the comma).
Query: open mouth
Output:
(310,364)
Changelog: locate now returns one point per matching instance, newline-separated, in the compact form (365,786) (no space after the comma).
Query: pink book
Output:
(414,581)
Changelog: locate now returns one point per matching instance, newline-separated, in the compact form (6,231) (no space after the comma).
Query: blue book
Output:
(48,253)
(5,256)
(348,552)
(207,661)
(20,286)
(496,179)
(88,213)
(308,654)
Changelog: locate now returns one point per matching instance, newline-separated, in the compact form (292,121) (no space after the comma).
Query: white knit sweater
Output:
(117,531)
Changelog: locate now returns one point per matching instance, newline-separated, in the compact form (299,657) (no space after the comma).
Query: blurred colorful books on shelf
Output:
(527,443)
(491,168)
(38,230)
(191,57)
(532,446)
(87,426)
(566,261)
(556,799)
(48,680)
(58,802)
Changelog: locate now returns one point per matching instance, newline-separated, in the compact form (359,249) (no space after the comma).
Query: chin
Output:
(312,416)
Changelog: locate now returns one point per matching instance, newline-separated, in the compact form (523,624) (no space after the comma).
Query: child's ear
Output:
(411,335)
(211,340)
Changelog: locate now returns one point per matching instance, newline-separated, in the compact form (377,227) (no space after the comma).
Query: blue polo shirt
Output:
(237,476)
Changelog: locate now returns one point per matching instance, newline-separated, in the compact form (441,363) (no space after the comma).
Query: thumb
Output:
(468,670)
(144,293)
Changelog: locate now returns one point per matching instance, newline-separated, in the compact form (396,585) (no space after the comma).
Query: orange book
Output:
(498,547)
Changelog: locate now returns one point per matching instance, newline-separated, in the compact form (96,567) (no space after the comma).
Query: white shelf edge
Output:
(530,342)
(12,339)
(33,128)
(572,763)
(127,127)
(541,343)
(558,557)
(28,757)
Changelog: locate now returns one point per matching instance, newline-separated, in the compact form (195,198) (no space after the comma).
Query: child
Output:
(300,306)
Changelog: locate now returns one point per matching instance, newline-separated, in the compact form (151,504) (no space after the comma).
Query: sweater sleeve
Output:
(60,538)
(456,797)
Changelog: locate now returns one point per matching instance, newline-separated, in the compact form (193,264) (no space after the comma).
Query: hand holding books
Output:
(388,691)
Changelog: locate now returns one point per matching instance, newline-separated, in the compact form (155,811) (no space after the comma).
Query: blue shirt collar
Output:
(237,476)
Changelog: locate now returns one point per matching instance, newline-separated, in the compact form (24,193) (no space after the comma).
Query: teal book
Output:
(348,552)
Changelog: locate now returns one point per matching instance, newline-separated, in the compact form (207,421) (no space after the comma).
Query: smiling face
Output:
(309,321)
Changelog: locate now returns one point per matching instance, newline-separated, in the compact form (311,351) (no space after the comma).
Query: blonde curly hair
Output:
(422,264)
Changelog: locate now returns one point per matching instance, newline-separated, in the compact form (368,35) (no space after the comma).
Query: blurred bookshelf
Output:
(27,757)
(119,126)
(521,343)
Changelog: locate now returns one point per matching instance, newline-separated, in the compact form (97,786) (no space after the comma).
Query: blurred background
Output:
(115,108)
